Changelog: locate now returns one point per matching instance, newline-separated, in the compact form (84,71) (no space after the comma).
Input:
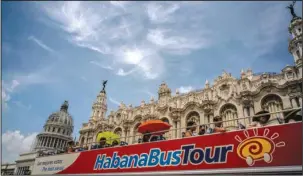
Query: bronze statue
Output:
(104,84)
(291,8)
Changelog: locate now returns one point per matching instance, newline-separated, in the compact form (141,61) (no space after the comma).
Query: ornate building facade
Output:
(227,97)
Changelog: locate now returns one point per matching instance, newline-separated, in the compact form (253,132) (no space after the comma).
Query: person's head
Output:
(115,143)
(183,134)
(146,137)
(218,121)
(71,143)
(191,126)
(202,129)
(102,141)
(263,119)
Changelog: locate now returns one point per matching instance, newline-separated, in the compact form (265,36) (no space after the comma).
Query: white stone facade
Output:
(228,97)
(57,131)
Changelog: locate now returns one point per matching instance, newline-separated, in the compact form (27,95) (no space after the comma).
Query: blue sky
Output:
(56,51)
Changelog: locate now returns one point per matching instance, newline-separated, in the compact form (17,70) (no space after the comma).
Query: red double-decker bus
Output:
(272,149)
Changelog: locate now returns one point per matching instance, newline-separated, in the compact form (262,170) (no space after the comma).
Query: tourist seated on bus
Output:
(260,121)
(190,129)
(115,143)
(102,143)
(154,138)
(146,137)
(139,140)
(293,118)
(70,147)
(85,147)
(123,143)
(202,130)
(162,138)
(94,146)
(241,126)
(218,125)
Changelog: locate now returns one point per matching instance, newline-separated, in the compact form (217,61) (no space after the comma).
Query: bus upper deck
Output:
(263,149)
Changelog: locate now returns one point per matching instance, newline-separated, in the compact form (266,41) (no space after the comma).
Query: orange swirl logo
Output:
(256,148)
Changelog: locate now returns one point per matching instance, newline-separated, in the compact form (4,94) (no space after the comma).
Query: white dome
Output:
(57,132)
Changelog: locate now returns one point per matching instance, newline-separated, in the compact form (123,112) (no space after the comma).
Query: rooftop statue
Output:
(104,85)
(291,8)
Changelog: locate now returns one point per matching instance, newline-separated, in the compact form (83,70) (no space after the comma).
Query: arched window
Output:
(165,120)
(229,112)
(118,117)
(272,103)
(54,129)
(59,130)
(193,117)
(63,131)
(82,141)
(118,131)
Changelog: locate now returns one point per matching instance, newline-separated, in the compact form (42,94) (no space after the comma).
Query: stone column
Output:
(51,142)
(60,144)
(300,101)
(47,141)
(252,112)
(235,122)
(179,130)
(202,118)
(211,118)
(293,102)
(43,141)
(176,131)
(39,142)
(127,136)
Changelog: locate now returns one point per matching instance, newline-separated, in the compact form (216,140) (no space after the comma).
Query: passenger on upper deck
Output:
(69,148)
(293,118)
(218,125)
(146,138)
(191,128)
(202,130)
(260,121)
(102,143)
(115,143)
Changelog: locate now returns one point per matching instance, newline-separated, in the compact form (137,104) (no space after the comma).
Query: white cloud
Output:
(149,93)
(41,44)
(21,80)
(5,99)
(21,105)
(101,65)
(114,101)
(121,72)
(14,143)
(119,29)
(185,89)
(160,13)
(83,78)
(7,90)
(143,34)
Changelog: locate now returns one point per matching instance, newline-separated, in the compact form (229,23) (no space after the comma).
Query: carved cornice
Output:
(162,108)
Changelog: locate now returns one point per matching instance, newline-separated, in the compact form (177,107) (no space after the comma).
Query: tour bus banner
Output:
(271,146)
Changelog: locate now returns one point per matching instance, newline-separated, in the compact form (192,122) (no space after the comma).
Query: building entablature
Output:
(50,134)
